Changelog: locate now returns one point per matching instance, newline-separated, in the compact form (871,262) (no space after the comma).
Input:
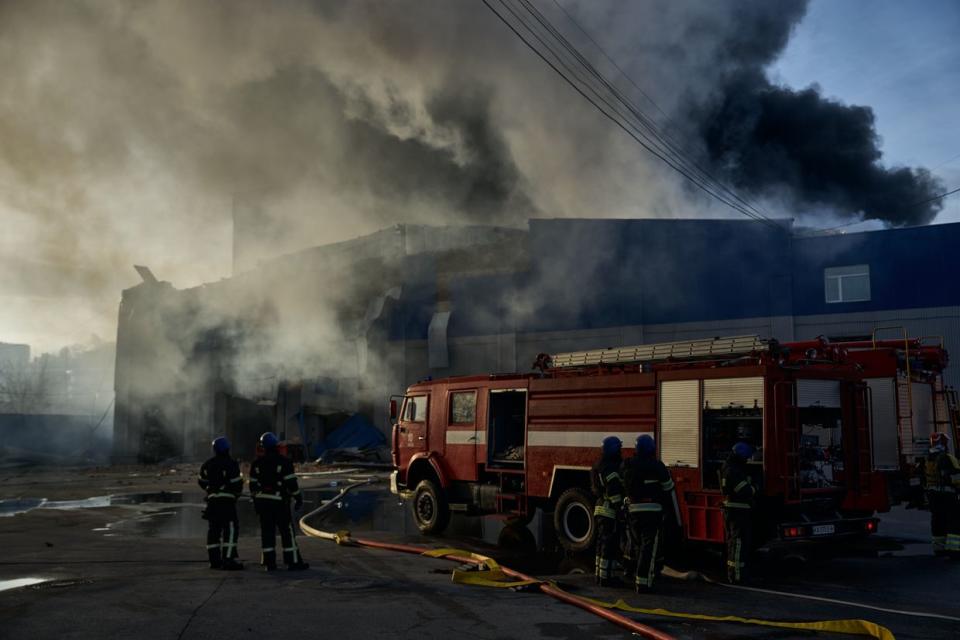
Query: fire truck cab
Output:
(509,444)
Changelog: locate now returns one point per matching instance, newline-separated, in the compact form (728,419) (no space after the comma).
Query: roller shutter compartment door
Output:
(680,423)
(883,414)
(818,393)
(733,392)
(922,412)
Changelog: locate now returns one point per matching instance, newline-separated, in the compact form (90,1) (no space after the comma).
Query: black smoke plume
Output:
(821,153)
(134,132)
(816,154)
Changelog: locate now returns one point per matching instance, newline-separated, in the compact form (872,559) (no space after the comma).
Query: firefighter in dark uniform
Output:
(942,480)
(221,479)
(273,483)
(738,502)
(649,486)
(608,490)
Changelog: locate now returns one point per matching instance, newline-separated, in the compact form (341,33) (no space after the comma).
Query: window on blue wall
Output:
(847,284)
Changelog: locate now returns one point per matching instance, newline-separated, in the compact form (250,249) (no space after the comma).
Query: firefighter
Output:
(943,494)
(672,528)
(273,483)
(221,479)
(738,502)
(608,489)
(649,486)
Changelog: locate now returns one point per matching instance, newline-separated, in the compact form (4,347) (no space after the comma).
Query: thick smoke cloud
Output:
(815,153)
(821,153)
(130,133)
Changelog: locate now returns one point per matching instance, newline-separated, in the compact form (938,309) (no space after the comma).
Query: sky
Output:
(131,131)
(900,58)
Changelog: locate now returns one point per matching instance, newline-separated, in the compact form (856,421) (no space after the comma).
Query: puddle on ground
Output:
(16,583)
(373,512)
(14,507)
(376,513)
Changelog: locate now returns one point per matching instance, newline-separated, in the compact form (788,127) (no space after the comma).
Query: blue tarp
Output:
(356,433)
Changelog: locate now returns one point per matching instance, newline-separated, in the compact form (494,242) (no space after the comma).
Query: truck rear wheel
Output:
(430,508)
(573,520)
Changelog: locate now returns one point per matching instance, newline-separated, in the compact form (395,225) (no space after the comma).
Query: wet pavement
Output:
(133,565)
(16,506)
(375,512)
(370,512)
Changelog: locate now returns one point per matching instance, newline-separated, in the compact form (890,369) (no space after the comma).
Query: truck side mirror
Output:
(393,410)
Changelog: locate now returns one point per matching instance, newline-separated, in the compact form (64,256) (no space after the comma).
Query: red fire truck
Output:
(509,444)
(908,398)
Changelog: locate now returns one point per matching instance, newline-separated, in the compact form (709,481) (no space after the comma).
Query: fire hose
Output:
(465,557)
(491,574)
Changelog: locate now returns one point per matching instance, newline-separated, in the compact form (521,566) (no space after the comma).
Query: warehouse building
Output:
(335,330)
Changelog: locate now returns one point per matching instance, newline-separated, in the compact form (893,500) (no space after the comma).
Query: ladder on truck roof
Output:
(686,349)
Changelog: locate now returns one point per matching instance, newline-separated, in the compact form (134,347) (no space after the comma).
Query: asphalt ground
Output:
(138,570)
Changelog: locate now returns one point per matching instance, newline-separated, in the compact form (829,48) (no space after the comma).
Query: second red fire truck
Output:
(908,398)
(509,444)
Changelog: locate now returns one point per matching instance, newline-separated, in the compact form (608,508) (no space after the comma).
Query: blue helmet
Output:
(646,445)
(744,450)
(221,445)
(611,446)
(269,441)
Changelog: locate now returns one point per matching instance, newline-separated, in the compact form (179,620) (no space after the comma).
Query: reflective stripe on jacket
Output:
(942,473)
(648,484)
(272,477)
(607,488)
(736,484)
(220,477)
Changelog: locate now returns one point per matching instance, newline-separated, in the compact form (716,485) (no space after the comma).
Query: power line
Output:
(611,60)
(669,145)
(909,206)
(645,133)
(934,198)
(942,164)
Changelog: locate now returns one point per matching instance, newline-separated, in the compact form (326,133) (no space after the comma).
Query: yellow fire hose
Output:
(491,574)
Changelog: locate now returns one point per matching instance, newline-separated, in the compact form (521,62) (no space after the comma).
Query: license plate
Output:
(824,529)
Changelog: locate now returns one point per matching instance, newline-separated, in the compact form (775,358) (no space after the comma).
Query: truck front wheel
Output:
(573,520)
(430,508)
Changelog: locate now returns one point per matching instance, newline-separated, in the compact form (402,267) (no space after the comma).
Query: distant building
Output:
(15,355)
(336,329)
(56,408)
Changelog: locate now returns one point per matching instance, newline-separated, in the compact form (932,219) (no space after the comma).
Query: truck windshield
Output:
(414,409)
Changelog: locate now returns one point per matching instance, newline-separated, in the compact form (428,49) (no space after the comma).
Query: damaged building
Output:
(300,343)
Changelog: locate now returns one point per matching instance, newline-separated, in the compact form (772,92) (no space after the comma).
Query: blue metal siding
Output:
(629,272)
(481,305)
(909,268)
(594,274)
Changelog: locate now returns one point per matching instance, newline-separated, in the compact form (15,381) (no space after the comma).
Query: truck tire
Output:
(430,508)
(573,520)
